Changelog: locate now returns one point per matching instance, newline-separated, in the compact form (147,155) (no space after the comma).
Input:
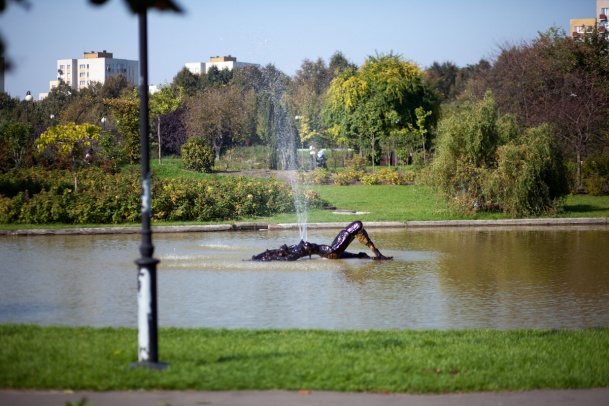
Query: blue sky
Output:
(283,33)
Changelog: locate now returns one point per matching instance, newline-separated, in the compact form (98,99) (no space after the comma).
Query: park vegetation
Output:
(514,135)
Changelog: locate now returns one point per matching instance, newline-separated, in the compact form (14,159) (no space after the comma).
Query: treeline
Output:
(516,133)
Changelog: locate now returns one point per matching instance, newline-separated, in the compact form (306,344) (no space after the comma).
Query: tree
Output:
(15,144)
(367,105)
(161,103)
(70,140)
(127,118)
(115,86)
(187,81)
(274,125)
(217,77)
(556,79)
(467,141)
(172,126)
(307,97)
(339,63)
(443,78)
(221,115)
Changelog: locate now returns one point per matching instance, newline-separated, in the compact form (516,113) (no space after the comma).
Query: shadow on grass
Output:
(582,208)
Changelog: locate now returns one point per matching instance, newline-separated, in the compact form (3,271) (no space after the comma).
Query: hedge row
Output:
(36,196)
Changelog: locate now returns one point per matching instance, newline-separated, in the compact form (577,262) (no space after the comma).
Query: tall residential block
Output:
(94,67)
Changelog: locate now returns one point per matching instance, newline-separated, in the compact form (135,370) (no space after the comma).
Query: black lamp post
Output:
(146,276)
(28,99)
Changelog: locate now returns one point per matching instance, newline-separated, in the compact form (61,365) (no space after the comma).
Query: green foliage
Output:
(531,177)
(318,176)
(366,106)
(44,197)
(197,155)
(127,114)
(525,176)
(358,163)
(15,144)
(596,175)
(70,139)
(467,141)
(387,176)
(347,177)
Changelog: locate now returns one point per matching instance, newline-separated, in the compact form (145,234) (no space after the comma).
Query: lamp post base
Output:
(150,365)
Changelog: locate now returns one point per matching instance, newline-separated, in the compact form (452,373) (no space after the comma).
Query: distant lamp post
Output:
(52,117)
(28,99)
(103,121)
(300,161)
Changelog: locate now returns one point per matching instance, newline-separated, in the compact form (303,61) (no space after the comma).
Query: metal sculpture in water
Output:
(334,251)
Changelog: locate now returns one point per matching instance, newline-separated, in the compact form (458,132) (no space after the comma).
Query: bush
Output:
(387,176)
(357,163)
(347,177)
(531,177)
(319,176)
(595,171)
(197,155)
(42,197)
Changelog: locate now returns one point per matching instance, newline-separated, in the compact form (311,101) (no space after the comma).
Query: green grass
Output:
(415,203)
(79,358)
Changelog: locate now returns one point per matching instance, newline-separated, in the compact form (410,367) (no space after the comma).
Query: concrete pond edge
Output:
(241,226)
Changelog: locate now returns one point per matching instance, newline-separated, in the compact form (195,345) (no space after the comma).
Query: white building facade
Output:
(94,67)
(221,62)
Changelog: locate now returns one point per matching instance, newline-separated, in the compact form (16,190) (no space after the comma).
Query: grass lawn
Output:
(408,203)
(375,361)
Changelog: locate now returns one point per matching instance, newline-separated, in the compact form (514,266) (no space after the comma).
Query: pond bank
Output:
(240,226)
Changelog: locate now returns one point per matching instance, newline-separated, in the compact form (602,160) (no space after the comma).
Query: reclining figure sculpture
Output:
(334,251)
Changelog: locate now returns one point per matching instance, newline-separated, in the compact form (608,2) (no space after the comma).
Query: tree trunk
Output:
(424,160)
(158,134)
(579,172)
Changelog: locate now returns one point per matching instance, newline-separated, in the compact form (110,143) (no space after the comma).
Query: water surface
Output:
(439,279)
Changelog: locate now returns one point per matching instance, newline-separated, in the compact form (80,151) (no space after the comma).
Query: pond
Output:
(444,278)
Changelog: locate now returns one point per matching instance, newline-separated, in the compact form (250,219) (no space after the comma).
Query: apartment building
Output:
(581,26)
(94,67)
(221,62)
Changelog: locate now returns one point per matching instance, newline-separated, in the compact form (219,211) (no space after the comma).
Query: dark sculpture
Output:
(334,251)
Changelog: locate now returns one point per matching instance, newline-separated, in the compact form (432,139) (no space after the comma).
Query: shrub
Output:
(596,175)
(48,197)
(347,177)
(531,177)
(197,155)
(357,163)
(318,177)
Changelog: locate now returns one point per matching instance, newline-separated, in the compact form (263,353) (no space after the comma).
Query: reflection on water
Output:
(439,279)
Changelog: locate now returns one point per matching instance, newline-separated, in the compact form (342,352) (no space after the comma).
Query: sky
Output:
(282,33)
